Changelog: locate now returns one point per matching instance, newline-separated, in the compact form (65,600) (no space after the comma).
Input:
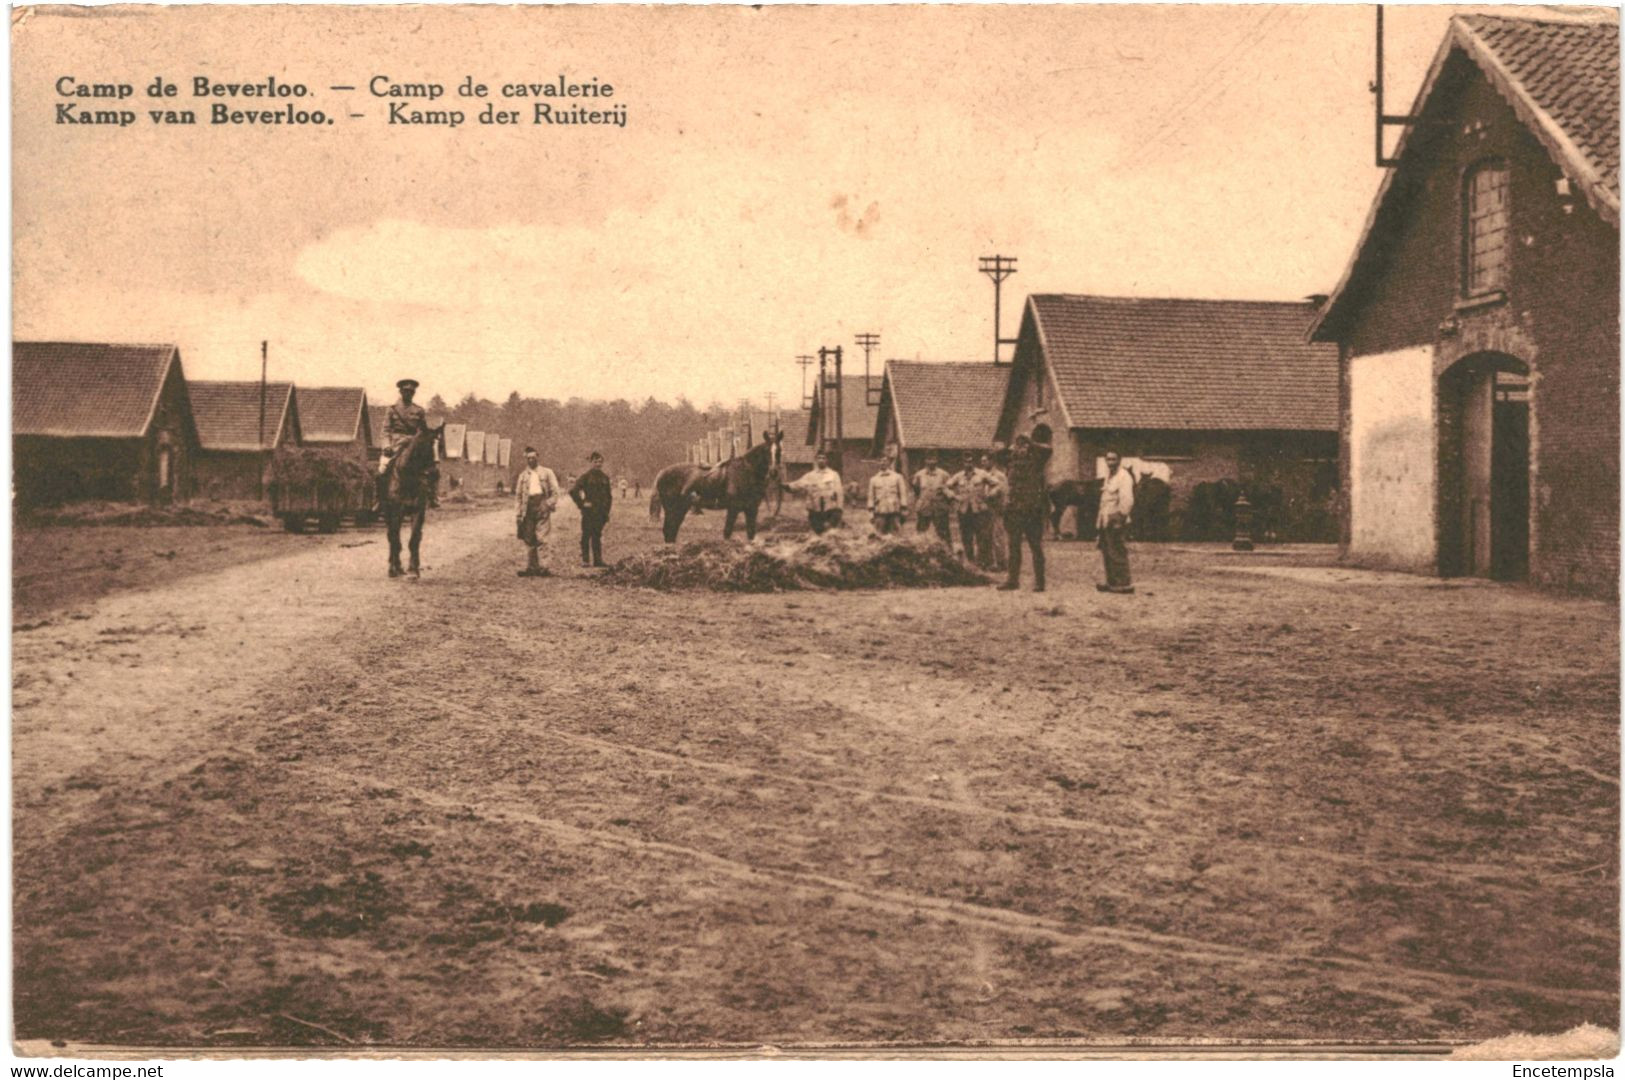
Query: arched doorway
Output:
(1484,468)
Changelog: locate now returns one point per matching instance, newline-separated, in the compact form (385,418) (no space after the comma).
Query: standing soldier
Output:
(1116,504)
(1024,508)
(888,499)
(403,421)
(968,491)
(537,491)
(593,497)
(823,489)
(931,502)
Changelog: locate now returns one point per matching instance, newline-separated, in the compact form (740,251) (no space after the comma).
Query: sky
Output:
(787,178)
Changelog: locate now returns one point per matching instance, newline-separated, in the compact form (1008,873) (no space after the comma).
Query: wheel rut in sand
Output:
(899,902)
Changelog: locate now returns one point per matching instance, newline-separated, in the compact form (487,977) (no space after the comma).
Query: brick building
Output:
(240,425)
(949,408)
(1478,321)
(97,421)
(1218,389)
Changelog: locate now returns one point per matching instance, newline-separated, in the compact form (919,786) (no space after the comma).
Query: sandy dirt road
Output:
(1266,798)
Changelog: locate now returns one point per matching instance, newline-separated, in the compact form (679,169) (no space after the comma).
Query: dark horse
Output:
(403,493)
(737,486)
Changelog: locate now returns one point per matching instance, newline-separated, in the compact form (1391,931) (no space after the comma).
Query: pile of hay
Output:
(305,467)
(836,560)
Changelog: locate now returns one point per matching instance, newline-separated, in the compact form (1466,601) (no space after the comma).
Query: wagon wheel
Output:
(773,500)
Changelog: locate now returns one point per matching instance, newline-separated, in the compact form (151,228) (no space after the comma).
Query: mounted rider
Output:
(404,421)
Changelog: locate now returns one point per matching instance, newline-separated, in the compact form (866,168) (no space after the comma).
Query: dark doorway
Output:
(1484,468)
(1509,481)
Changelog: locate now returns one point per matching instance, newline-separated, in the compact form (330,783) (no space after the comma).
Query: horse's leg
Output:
(750,522)
(728,526)
(676,511)
(392,519)
(417,537)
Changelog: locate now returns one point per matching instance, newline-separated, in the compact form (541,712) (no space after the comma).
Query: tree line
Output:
(637,441)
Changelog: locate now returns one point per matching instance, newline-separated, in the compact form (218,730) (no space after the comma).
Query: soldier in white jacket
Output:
(888,499)
(822,487)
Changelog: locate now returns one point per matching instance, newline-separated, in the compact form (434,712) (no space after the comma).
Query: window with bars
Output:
(1487,243)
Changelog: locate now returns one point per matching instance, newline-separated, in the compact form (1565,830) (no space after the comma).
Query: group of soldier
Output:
(998,499)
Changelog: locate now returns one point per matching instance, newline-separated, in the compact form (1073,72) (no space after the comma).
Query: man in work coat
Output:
(931,502)
(888,499)
(1116,504)
(537,492)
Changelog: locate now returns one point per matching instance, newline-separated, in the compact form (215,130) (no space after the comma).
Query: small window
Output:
(1487,228)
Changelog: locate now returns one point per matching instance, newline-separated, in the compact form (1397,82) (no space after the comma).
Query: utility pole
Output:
(998,267)
(772,410)
(805,362)
(264,360)
(871,392)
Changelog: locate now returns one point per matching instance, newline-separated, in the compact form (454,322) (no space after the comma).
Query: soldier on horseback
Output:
(403,421)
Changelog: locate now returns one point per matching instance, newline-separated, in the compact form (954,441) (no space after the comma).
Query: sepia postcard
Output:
(824,531)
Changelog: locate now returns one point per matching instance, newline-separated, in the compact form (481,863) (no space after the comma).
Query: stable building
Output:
(240,427)
(1478,321)
(100,421)
(335,417)
(1219,390)
(951,409)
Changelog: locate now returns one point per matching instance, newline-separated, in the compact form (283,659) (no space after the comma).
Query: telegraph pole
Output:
(805,362)
(871,394)
(998,267)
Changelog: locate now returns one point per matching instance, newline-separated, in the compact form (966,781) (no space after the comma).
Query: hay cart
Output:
(318,488)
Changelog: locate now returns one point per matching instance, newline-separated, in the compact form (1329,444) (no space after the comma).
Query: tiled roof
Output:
(1203,365)
(228,414)
(376,415)
(78,389)
(455,437)
(330,414)
(857,414)
(1560,75)
(945,406)
(1567,71)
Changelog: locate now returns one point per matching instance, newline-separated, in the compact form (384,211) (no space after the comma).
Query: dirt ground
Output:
(294,802)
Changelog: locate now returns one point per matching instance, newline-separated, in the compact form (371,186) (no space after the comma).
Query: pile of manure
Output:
(836,560)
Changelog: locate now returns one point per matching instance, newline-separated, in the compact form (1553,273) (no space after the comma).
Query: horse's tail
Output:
(655,506)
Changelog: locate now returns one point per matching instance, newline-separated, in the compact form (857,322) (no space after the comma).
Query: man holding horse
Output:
(537,492)
(822,487)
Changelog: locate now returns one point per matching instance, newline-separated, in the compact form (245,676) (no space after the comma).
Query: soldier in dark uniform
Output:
(403,421)
(1024,507)
(593,497)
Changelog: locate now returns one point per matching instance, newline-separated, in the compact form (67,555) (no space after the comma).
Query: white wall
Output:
(1392,459)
